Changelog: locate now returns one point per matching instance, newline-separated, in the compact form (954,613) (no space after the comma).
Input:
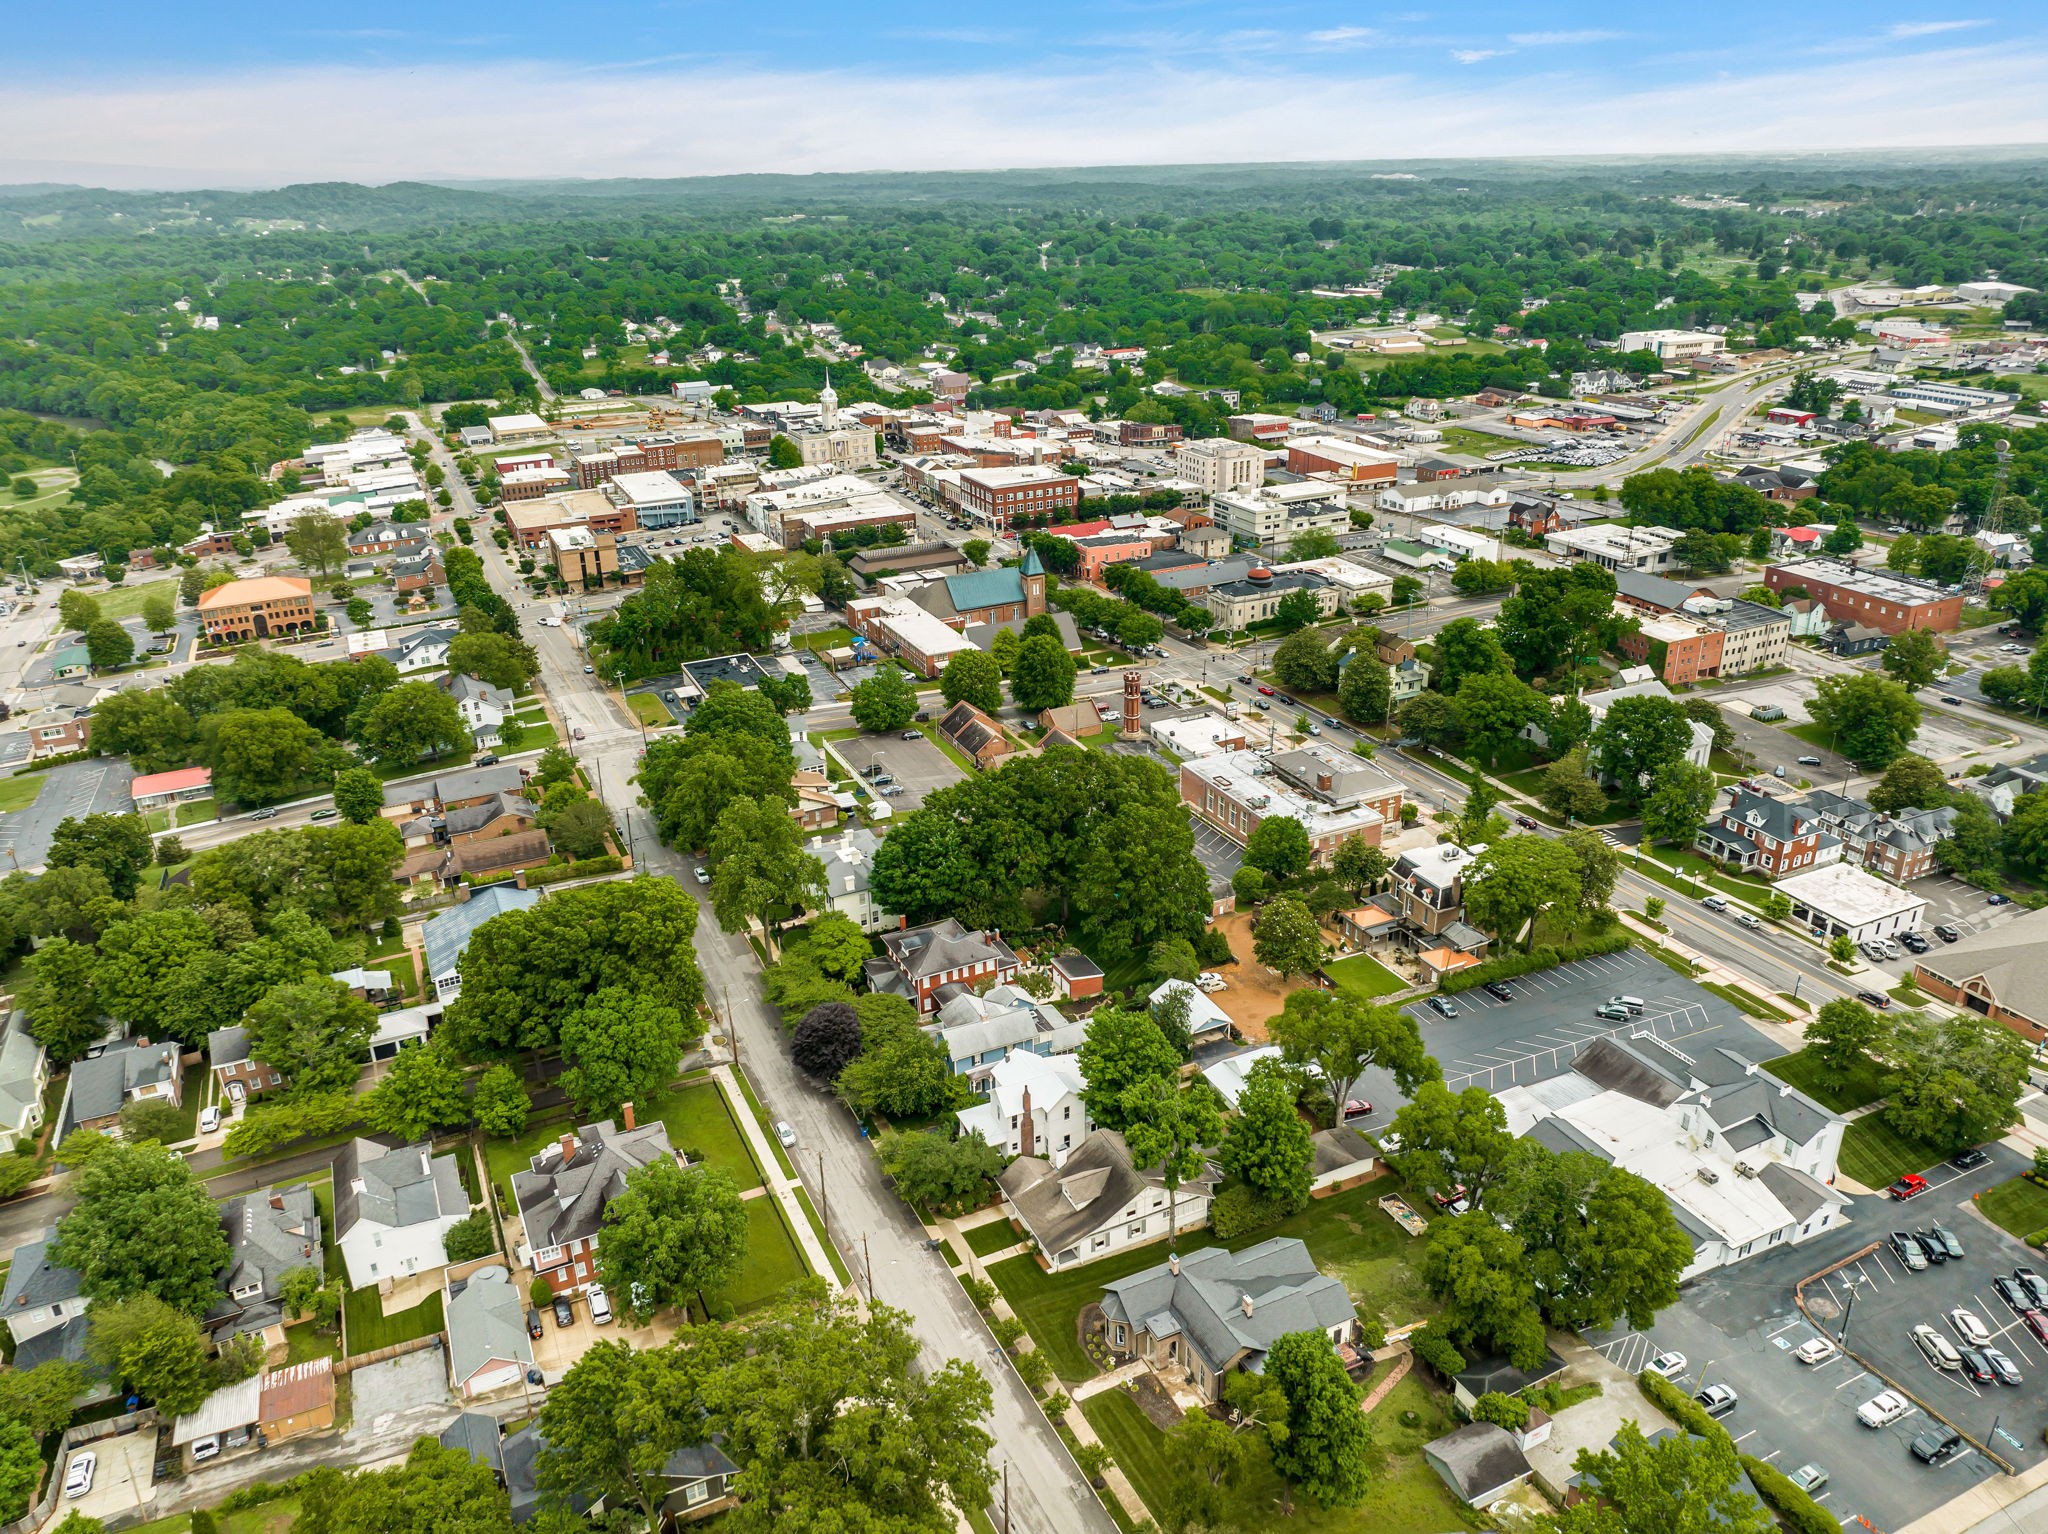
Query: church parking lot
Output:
(920,766)
(1739,1325)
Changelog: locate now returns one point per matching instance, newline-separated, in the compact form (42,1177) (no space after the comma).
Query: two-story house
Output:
(1033,1106)
(920,963)
(1767,836)
(1896,844)
(849,860)
(24,1074)
(393,1210)
(483,707)
(270,1232)
(236,1073)
(562,1197)
(977,1030)
(45,1304)
(126,1071)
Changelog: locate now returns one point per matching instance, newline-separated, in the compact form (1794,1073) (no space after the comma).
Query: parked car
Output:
(1669,1365)
(703,874)
(1891,949)
(1970,1160)
(1907,1250)
(600,1305)
(1611,1012)
(1809,761)
(1912,1185)
(1714,902)
(1938,1350)
(1914,942)
(2037,1286)
(1976,1367)
(2014,1293)
(1526,822)
(1883,1409)
(1948,934)
(1718,1400)
(785,1133)
(1815,1350)
(209,1119)
(1937,1446)
(78,1474)
(913,735)
(1877,1001)
(565,1312)
(1949,1244)
(1808,1478)
(1935,1252)
(1442,1006)
(1499,990)
(488,759)
(894,790)
(2037,1323)
(533,1326)
(1209,980)
(1998,900)
(2003,1369)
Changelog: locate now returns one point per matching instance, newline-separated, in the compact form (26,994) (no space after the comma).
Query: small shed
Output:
(1480,1462)
(297,1400)
(1075,977)
(1494,1374)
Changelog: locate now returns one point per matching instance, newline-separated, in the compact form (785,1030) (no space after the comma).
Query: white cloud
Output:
(1343,35)
(699,117)
(1904,29)
(1479,55)
(1561,39)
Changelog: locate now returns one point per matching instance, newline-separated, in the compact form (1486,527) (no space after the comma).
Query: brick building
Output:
(562,1197)
(651,454)
(1346,460)
(1334,796)
(1767,836)
(257,608)
(920,963)
(1871,598)
(993,496)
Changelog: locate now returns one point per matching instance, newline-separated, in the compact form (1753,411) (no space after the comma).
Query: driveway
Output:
(121,1483)
(398,1385)
(918,765)
(74,790)
(1738,1326)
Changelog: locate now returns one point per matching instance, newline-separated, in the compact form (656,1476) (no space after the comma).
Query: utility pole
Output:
(1006,1497)
(867,1263)
(824,1204)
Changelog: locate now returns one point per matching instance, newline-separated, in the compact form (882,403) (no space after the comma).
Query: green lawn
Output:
(194,812)
(824,1237)
(773,1261)
(19,793)
(1529,784)
(126,599)
(268,1518)
(697,1121)
(2018,1206)
(992,1237)
(369,1328)
(1406,1496)
(1865,1083)
(1348,1235)
(1364,976)
(1877,1156)
(649,709)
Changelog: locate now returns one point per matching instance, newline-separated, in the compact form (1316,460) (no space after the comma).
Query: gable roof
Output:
(376,1185)
(35,1279)
(1231,1305)
(270,1232)
(101,1084)
(971,589)
(1479,1461)
(486,1323)
(942,945)
(1088,1191)
(562,1198)
(2008,963)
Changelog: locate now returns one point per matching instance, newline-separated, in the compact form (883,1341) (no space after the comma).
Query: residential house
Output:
(849,860)
(1407,678)
(376,986)
(1202,1316)
(24,1077)
(484,708)
(393,1210)
(978,737)
(1767,836)
(1480,1462)
(1899,845)
(45,1304)
(161,790)
(423,649)
(126,1071)
(1746,1161)
(488,1346)
(817,803)
(270,1232)
(1099,1201)
(1426,892)
(238,1077)
(1492,1374)
(2003,786)
(446,935)
(1032,1106)
(926,963)
(388,538)
(978,1029)
(1207,1023)
(1229,1075)
(451,791)
(695,1479)
(2001,974)
(562,1197)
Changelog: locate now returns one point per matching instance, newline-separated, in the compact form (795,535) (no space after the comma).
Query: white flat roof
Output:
(656,487)
(1011,476)
(524,420)
(1851,896)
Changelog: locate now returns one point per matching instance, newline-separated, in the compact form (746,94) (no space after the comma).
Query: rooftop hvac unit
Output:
(1744,1169)
(1452,854)
(1708,1174)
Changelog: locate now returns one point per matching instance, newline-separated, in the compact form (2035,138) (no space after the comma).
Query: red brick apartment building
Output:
(1146,434)
(257,608)
(1873,598)
(1680,652)
(648,455)
(994,496)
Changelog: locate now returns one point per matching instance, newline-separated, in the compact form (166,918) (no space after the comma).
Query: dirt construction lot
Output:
(1255,992)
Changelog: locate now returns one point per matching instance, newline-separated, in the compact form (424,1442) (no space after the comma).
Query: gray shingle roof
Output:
(1093,1187)
(944,945)
(34,1280)
(228,1046)
(1478,1461)
(563,1198)
(270,1232)
(406,1186)
(486,1323)
(101,1085)
(1206,1299)
(21,1060)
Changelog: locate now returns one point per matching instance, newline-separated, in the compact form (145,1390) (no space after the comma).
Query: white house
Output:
(1099,1201)
(1229,1075)
(1033,1107)
(483,707)
(393,1209)
(424,649)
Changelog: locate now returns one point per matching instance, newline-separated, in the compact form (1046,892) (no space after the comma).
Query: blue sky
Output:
(243,93)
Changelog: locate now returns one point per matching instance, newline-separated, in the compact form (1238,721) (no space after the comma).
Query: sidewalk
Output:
(784,1188)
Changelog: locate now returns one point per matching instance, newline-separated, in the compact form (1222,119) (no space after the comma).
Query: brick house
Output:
(977,736)
(1767,836)
(921,963)
(562,1198)
(237,1076)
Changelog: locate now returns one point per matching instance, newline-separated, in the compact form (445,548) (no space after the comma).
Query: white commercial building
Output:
(1673,345)
(657,497)
(1616,548)
(1841,899)
(1218,464)
(1277,514)
(523,426)
(1191,735)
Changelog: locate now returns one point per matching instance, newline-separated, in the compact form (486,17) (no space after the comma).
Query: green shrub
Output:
(585,868)
(1801,1513)
(470,1239)
(1238,1209)
(1439,1352)
(1682,1408)
(1505,1411)
(1008,1330)
(1507,966)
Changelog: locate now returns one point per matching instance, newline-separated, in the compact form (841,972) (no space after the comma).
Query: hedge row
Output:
(551,873)
(1238,1209)
(1689,1414)
(1801,1513)
(1509,965)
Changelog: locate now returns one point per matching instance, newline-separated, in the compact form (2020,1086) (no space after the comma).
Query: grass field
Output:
(992,1237)
(126,599)
(1405,1497)
(1462,439)
(369,1328)
(1348,1235)
(1364,976)
(773,1261)
(270,1518)
(195,812)
(1877,1156)
(20,792)
(2019,1206)
(649,709)
(1865,1085)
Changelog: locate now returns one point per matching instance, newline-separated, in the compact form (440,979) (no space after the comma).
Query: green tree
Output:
(1288,940)
(21,1470)
(1514,881)
(1336,1038)
(938,1172)
(318,542)
(501,1105)
(1358,864)
(118,846)
(1326,1450)
(140,963)
(154,1347)
(1465,649)
(1432,719)
(1208,1459)
(1910,782)
(760,870)
(1120,1052)
(783,453)
(1267,1145)
(1599,865)
(108,646)
(153,1118)
(973,676)
(900,1073)
(1170,1126)
(977,551)
(1451,1140)
(314,1032)
(1568,789)
(688,783)
(1174,958)
(1872,718)
(884,702)
(673,1234)
(143,1224)
(1678,803)
(1638,739)
(613,1420)
(258,755)
(1971,848)
(411,721)
(1365,690)
(1494,707)
(1914,658)
(43,1398)
(496,658)
(1305,663)
(76,610)
(436,1491)
(1842,1037)
(1004,648)
(1297,610)
(1602,1242)
(421,1095)
(1482,1276)
(1953,1082)
(359,795)
(1044,674)
(621,1047)
(1279,847)
(1680,1484)
(57,994)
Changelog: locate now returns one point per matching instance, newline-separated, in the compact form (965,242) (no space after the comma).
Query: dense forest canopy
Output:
(331,297)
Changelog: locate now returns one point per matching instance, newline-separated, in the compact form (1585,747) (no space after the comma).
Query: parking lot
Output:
(920,766)
(1739,1326)
(1219,856)
(76,789)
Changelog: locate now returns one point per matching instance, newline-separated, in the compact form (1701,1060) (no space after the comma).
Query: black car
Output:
(1526,822)
(1442,1007)
(1970,1160)
(1932,1246)
(488,759)
(2035,1285)
(1876,1000)
(1937,1446)
(1976,1366)
(1914,942)
(1499,990)
(1948,934)
(2014,1293)
(565,1313)
(1948,1240)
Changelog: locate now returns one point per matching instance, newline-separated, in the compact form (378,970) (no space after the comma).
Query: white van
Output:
(1635,1004)
(600,1306)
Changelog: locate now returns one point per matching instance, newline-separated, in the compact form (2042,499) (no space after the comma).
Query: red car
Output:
(1265,691)
(1912,1185)
(2037,1323)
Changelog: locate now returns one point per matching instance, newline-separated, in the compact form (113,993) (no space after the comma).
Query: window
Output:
(1100,1241)
(1118,1335)
(1135,1229)
(696,1492)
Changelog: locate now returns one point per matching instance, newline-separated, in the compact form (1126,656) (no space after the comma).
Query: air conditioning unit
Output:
(1744,1169)
(1708,1174)
(1452,854)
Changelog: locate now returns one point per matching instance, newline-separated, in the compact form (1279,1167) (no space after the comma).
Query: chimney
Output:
(1024,1126)
(626,1110)
(1244,1303)
(568,1146)
(1173,1263)
(277,1201)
